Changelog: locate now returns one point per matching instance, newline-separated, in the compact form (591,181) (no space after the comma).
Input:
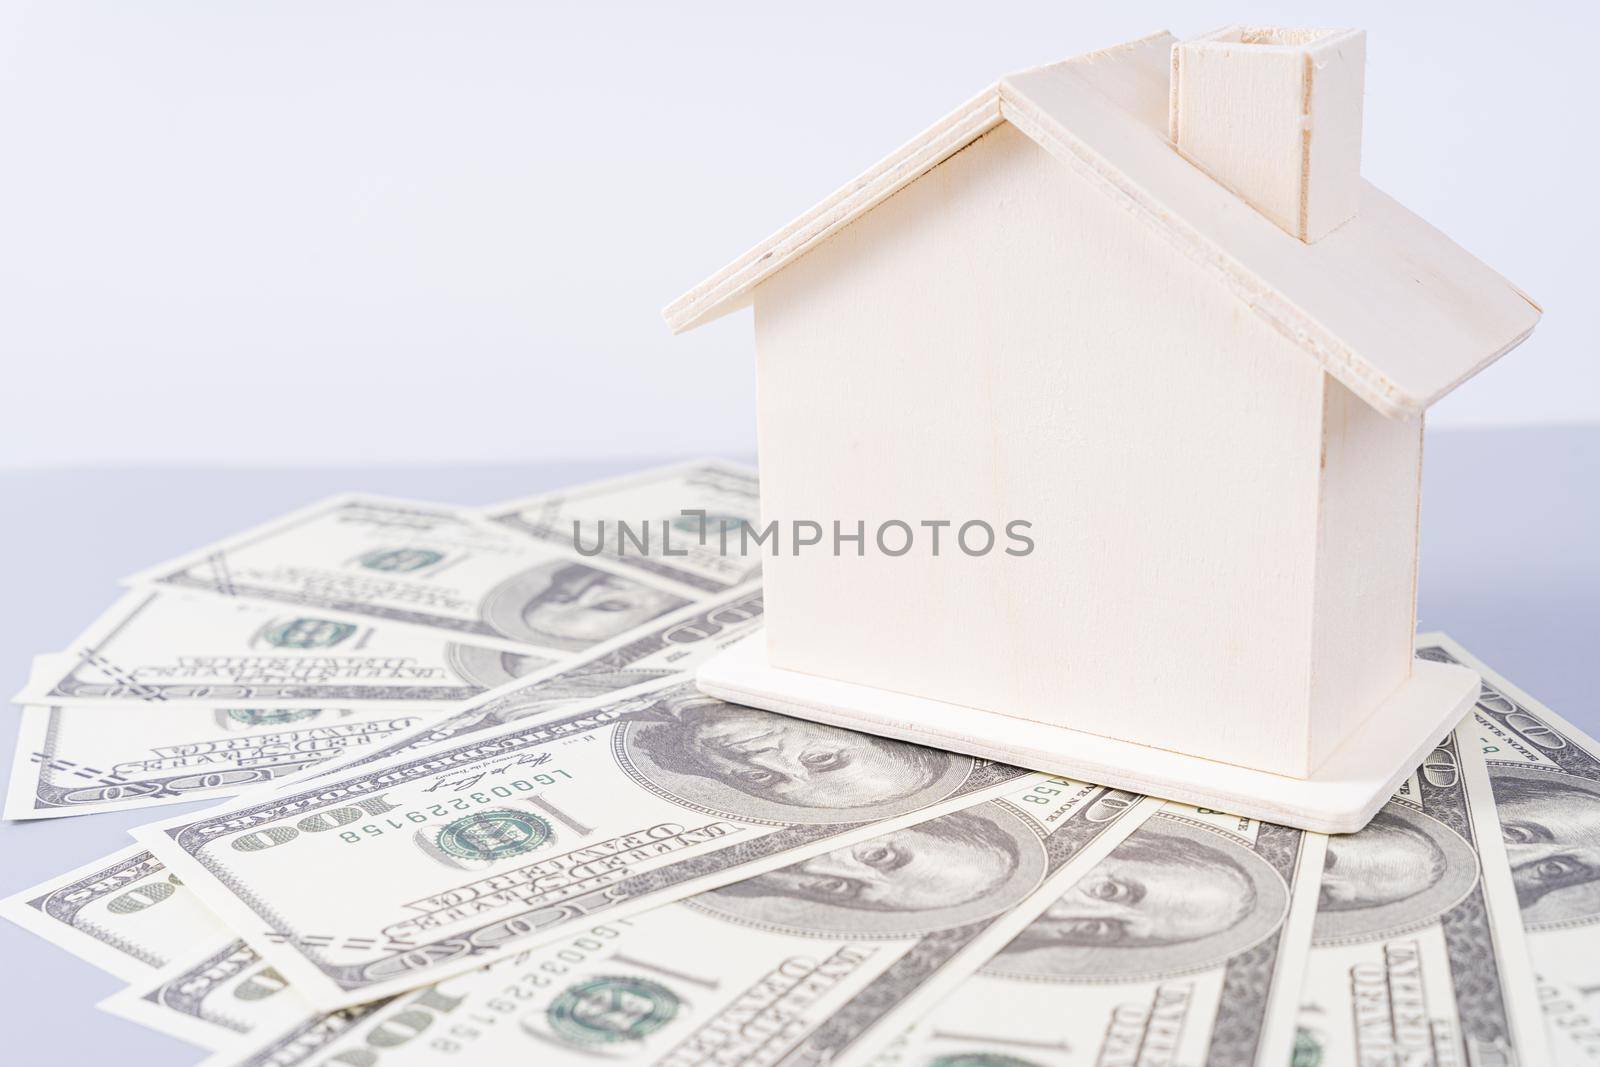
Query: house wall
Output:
(999,341)
(1365,597)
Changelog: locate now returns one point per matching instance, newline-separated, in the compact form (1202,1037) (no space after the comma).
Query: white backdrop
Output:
(346,232)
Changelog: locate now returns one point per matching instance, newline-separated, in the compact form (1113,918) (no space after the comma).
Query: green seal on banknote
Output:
(1307,1050)
(401,559)
(307,633)
(494,834)
(269,716)
(608,1009)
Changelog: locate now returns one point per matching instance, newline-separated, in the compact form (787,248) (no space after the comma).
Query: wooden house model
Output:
(1142,301)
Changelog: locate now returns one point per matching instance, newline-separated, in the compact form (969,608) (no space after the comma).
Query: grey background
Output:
(1511,525)
(466,216)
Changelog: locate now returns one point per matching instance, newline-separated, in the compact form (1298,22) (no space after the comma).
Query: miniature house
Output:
(1142,300)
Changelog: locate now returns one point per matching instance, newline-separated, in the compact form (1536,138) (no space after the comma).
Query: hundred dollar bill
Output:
(817,962)
(125,914)
(85,760)
(1546,778)
(393,875)
(667,523)
(75,761)
(1418,952)
(671,648)
(1186,945)
(166,648)
(676,645)
(402,563)
(317,1032)
(211,998)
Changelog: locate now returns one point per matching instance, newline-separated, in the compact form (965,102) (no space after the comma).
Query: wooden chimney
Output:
(1274,114)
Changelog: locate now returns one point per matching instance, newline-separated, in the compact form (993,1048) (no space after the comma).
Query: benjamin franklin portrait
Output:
(1173,897)
(572,606)
(1551,825)
(1403,869)
(739,761)
(1387,861)
(950,871)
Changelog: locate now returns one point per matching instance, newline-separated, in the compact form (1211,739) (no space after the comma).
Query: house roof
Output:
(1387,304)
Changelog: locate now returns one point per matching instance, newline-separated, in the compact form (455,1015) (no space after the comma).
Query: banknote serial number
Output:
(480,798)
(1051,791)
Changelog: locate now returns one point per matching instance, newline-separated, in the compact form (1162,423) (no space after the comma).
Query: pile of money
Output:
(471,809)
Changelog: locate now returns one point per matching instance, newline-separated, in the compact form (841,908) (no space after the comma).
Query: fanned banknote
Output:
(1419,955)
(82,760)
(168,648)
(365,558)
(698,550)
(225,990)
(317,1033)
(669,648)
(821,961)
(461,853)
(1186,945)
(1546,778)
(491,820)
(212,998)
(125,914)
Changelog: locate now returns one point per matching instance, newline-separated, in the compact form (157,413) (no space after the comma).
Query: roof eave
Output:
(729,288)
(1068,85)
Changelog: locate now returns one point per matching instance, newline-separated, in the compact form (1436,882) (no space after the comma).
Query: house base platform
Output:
(1340,797)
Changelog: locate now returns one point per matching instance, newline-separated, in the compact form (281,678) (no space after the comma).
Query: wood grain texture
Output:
(1040,310)
(1364,606)
(1339,798)
(1275,116)
(729,289)
(1387,304)
(996,343)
